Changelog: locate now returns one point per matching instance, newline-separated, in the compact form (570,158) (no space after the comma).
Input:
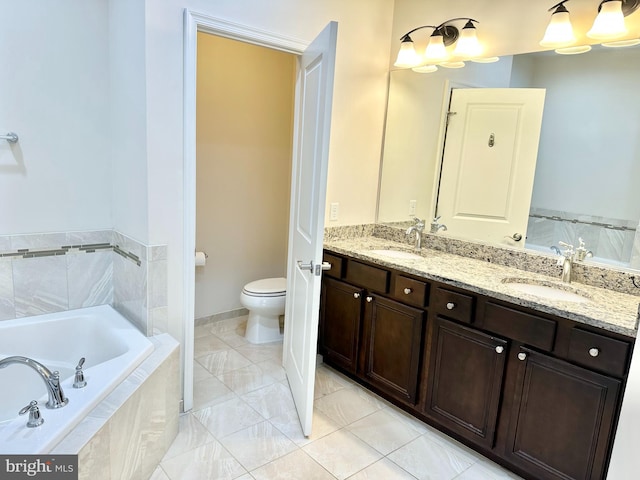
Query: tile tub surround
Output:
(52,272)
(613,311)
(130,431)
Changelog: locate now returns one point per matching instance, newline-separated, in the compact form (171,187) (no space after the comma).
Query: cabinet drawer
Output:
(337,265)
(410,291)
(526,328)
(598,352)
(455,305)
(373,278)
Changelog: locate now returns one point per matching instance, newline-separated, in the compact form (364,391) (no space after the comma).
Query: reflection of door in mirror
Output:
(489,163)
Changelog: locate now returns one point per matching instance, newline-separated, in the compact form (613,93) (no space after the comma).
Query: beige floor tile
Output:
(273,368)
(258,445)
(289,424)
(200,373)
(228,417)
(427,460)
(294,466)
(342,453)
(223,361)
(262,352)
(158,474)
(230,325)
(206,462)
(246,379)
(208,344)
(271,400)
(383,431)
(347,405)
(327,381)
(191,434)
(382,470)
(486,470)
(210,392)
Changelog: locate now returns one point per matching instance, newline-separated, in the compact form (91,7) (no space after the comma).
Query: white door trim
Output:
(193,23)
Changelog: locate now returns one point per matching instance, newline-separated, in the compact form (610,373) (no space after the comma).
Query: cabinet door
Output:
(465,380)
(392,338)
(340,313)
(561,420)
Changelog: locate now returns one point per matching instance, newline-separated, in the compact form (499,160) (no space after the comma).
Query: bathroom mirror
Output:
(588,163)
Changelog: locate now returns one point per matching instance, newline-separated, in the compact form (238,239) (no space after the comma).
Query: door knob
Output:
(522,356)
(594,352)
(451,306)
(407,291)
(356,295)
(305,266)
(369,299)
(499,349)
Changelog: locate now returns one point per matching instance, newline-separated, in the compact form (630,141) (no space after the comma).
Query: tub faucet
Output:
(51,379)
(417,228)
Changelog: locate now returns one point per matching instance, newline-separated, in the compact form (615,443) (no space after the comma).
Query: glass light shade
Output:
(559,32)
(623,43)
(425,69)
(609,24)
(485,59)
(573,50)
(436,51)
(452,64)
(468,45)
(407,56)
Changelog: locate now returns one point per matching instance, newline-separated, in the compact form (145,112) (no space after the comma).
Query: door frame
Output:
(193,23)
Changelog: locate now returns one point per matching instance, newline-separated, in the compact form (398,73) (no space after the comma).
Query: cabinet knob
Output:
(356,295)
(451,306)
(499,349)
(522,356)
(594,352)
(407,291)
(369,299)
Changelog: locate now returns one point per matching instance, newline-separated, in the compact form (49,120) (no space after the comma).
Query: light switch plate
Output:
(413,204)
(333,212)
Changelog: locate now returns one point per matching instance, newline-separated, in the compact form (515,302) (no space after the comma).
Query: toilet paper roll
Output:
(201,259)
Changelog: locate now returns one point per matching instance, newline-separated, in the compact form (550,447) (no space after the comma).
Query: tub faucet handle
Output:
(35,420)
(79,381)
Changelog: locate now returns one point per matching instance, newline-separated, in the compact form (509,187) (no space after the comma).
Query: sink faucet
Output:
(51,379)
(566,261)
(417,228)
(582,252)
(435,226)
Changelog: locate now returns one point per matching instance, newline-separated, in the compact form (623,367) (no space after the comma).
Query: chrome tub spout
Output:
(51,379)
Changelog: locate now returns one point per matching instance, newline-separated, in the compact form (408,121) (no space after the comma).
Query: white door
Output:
(314,91)
(489,162)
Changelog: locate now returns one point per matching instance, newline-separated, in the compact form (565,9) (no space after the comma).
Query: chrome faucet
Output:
(566,261)
(51,379)
(582,252)
(435,226)
(417,228)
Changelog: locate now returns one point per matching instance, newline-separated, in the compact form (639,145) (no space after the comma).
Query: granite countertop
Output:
(606,309)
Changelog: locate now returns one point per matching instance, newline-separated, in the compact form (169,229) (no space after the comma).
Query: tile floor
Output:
(244,425)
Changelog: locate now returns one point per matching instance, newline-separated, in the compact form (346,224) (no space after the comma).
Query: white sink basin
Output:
(546,290)
(396,254)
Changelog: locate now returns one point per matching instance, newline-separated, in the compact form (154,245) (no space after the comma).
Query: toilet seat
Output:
(267,287)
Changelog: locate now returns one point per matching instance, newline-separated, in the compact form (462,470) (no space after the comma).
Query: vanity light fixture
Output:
(443,35)
(608,26)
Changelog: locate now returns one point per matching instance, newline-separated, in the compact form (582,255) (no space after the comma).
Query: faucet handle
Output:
(35,420)
(79,381)
(582,252)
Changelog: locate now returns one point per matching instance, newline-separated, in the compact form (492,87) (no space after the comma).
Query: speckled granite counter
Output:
(610,310)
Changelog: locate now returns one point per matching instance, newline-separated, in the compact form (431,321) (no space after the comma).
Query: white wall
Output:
(244,134)
(128,118)
(54,93)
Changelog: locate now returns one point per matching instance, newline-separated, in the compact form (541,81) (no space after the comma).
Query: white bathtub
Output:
(112,346)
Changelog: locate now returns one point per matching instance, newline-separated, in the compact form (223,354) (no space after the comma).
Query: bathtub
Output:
(112,347)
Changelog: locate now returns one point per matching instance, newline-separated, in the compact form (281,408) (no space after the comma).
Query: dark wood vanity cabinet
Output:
(560,424)
(339,329)
(466,375)
(538,393)
(391,346)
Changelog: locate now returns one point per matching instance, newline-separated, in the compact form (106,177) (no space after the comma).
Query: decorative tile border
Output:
(134,280)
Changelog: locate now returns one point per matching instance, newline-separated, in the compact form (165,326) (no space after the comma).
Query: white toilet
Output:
(265,300)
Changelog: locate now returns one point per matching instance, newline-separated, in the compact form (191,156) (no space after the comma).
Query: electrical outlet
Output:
(413,204)
(333,212)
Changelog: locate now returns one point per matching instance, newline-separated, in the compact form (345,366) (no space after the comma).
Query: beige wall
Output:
(244,132)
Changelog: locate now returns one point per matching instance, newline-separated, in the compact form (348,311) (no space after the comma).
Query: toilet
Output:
(265,300)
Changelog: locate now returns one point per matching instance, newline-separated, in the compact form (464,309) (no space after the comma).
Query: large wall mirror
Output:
(587,174)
